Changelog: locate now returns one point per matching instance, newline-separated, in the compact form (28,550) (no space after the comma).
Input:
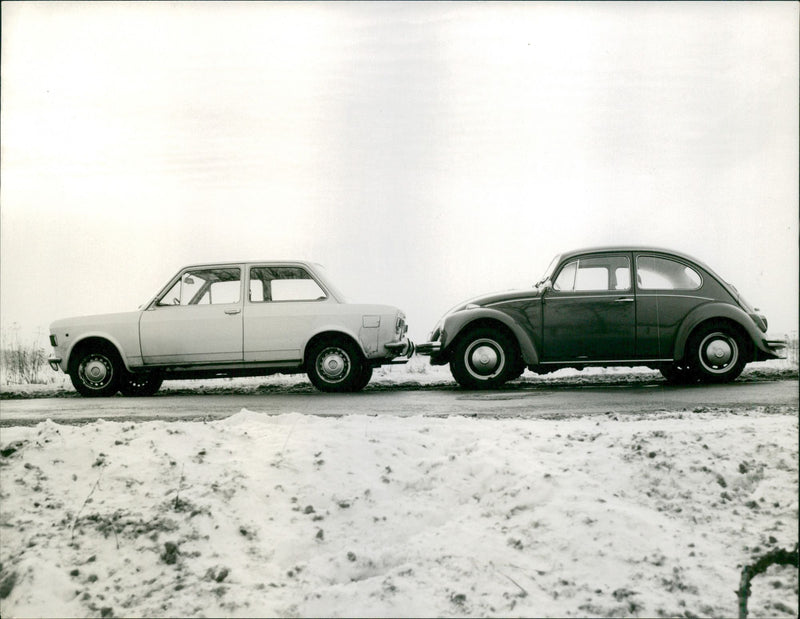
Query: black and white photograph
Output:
(399,309)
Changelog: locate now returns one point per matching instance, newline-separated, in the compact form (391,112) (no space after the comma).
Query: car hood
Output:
(497,297)
(96,320)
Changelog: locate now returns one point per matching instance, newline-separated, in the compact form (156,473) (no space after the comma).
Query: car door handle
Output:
(624,300)
(230,312)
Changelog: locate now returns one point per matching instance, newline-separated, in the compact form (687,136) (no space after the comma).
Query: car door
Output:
(197,321)
(284,303)
(589,313)
(667,289)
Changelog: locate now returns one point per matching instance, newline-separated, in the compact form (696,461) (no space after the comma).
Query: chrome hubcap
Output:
(96,371)
(333,364)
(718,352)
(484,359)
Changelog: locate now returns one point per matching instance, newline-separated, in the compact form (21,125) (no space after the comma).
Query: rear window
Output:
(653,273)
(271,284)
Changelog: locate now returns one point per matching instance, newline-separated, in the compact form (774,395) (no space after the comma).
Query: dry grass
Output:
(23,363)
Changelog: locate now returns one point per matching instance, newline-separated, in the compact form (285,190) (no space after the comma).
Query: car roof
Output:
(633,248)
(232,263)
(648,249)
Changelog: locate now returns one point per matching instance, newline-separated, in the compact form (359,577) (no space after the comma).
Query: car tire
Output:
(678,374)
(363,380)
(716,353)
(142,384)
(518,371)
(336,366)
(97,371)
(484,358)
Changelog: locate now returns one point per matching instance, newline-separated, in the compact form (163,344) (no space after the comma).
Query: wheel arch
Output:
(477,318)
(727,315)
(332,334)
(92,340)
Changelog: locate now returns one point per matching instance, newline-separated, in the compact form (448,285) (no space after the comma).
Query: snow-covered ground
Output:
(292,515)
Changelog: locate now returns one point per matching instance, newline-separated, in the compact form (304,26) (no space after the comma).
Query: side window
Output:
(664,274)
(595,275)
(591,276)
(566,279)
(256,289)
(205,287)
(271,284)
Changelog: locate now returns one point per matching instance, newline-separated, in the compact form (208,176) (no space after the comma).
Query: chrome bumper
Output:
(404,350)
(778,347)
(429,348)
(55,363)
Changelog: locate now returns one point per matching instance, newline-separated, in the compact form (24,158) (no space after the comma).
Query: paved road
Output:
(538,401)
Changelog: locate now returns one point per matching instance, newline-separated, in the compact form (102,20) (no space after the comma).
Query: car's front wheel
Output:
(140,384)
(96,371)
(336,365)
(484,358)
(678,374)
(717,353)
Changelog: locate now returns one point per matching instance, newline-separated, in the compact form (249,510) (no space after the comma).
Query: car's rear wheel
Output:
(96,371)
(484,358)
(519,370)
(717,353)
(140,384)
(336,365)
(364,378)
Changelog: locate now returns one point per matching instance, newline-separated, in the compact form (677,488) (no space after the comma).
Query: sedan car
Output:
(612,306)
(233,319)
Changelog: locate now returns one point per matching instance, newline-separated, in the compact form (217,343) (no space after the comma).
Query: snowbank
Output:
(365,515)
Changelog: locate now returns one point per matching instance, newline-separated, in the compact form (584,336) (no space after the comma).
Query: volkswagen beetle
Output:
(232,319)
(612,306)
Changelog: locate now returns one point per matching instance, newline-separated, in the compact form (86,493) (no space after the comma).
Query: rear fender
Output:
(457,323)
(713,311)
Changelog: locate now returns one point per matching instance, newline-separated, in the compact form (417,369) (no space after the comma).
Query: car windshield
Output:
(549,272)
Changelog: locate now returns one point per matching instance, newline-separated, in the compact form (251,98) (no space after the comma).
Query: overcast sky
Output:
(423,152)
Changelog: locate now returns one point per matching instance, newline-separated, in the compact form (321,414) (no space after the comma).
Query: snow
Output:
(375,515)
(418,373)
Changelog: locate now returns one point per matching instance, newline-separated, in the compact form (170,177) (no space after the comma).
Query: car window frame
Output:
(156,302)
(597,292)
(309,272)
(671,258)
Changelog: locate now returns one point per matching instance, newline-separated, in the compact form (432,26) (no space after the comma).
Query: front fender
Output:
(711,311)
(124,352)
(334,329)
(457,322)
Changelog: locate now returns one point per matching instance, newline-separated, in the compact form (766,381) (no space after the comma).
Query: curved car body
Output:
(233,319)
(629,306)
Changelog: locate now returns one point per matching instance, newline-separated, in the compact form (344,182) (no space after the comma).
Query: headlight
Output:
(761,321)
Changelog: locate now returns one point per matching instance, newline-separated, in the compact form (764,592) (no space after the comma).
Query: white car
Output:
(232,319)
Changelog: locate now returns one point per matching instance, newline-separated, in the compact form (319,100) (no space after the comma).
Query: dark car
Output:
(611,306)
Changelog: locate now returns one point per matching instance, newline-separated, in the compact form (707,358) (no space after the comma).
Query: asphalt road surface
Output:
(539,401)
